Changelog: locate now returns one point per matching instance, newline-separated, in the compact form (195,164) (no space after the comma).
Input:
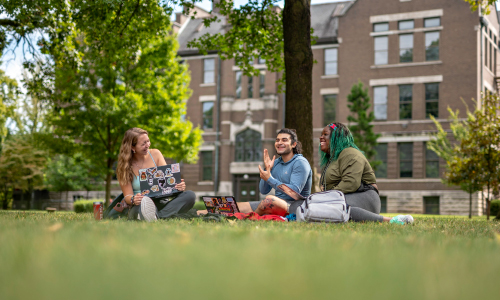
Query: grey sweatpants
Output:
(182,203)
(364,206)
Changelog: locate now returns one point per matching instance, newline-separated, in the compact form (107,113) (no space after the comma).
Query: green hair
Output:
(340,139)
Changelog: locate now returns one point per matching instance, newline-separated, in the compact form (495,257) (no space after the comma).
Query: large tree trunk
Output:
(298,72)
(470,205)
(109,176)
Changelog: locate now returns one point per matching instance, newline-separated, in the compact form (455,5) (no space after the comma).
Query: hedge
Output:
(494,207)
(83,206)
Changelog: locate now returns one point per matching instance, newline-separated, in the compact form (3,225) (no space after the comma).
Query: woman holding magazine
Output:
(135,155)
(346,169)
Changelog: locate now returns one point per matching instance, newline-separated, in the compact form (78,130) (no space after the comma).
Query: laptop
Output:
(159,182)
(221,204)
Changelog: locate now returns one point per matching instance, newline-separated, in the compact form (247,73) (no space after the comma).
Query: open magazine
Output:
(287,190)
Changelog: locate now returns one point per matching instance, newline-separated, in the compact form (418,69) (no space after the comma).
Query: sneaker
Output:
(402,219)
(148,210)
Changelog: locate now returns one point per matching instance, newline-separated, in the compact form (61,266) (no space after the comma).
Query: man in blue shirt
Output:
(290,176)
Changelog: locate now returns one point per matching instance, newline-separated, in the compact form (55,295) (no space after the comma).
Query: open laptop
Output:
(159,182)
(221,204)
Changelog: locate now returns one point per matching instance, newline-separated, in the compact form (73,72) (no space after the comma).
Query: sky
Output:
(12,62)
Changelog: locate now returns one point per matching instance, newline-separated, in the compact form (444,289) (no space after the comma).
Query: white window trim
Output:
(207,84)
(410,64)
(206,98)
(329,76)
(406,80)
(329,91)
(324,46)
(392,32)
(199,57)
(406,16)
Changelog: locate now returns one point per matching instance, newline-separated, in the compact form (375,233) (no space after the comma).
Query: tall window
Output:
(431,100)
(262,84)
(248,146)
(380,102)
(380,27)
(250,87)
(329,105)
(405,99)
(208,110)
(406,48)
(206,162)
(381,50)
(431,205)
(209,70)
(381,171)
(405,159)
(431,163)
(432,46)
(331,61)
(383,204)
(238,84)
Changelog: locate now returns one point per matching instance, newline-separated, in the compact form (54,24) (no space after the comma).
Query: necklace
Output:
(141,164)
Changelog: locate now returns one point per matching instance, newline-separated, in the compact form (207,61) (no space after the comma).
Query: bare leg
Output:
(244,207)
(272,205)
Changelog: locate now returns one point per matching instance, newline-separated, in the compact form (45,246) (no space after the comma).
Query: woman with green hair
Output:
(346,169)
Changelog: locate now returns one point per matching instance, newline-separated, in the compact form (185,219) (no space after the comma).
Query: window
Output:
(262,84)
(383,204)
(405,159)
(485,51)
(491,57)
(238,84)
(380,102)
(261,61)
(403,25)
(206,162)
(405,99)
(331,61)
(208,70)
(380,27)
(432,22)
(431,163)
(250,87)
(208,110)
(431,100)
(431,46)
(406,48)
(431,205)
(381,50)
(381,171)
(248,146)
(329,105)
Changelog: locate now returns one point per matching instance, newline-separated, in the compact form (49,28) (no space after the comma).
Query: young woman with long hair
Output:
(135,154)
(346,169)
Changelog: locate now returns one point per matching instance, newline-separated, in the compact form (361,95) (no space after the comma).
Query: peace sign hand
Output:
(268,163)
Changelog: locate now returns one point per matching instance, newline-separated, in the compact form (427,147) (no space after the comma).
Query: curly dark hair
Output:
(293,136)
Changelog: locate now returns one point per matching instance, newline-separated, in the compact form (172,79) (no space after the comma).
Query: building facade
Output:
(416,57)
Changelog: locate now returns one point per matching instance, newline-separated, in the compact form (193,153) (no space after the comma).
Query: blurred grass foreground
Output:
(72,256)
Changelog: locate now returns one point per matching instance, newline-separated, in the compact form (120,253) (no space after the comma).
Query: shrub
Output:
(494,207)
(84,206)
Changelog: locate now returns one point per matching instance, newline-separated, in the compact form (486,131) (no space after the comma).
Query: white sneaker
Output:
(402,219)
(148,210)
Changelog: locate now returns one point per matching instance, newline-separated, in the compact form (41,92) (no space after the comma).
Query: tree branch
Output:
(9,22)
(131,16)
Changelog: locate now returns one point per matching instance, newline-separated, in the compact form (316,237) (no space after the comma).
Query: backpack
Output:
(327,206)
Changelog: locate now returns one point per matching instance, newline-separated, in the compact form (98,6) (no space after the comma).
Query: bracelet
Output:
(132,200)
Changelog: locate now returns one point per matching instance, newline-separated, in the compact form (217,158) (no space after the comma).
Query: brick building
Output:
(417,58)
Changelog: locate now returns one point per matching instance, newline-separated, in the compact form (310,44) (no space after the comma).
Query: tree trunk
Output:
(470,205)
(67,200)
(298,72)
(488,203)
(109,176)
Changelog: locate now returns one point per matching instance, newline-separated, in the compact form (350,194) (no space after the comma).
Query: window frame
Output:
(406,21)
(244,138)
(238,78)
(207,71)
(409,159)
(386,51)
(429,48)
(429,101)
(428,160)
(333,61)
(328,120)
(382,159)
(380,23)
(250,87)
(262,84)
(410,49)
(427,205)
(406,102)
(206,166)
(432,18)
(380,104)
(210,119)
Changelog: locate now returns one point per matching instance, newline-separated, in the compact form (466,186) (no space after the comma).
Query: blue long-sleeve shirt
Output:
(295,173)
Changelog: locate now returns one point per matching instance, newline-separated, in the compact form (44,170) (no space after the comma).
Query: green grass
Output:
(71,256)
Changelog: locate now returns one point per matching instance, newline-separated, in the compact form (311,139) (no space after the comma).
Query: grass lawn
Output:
(71,256)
